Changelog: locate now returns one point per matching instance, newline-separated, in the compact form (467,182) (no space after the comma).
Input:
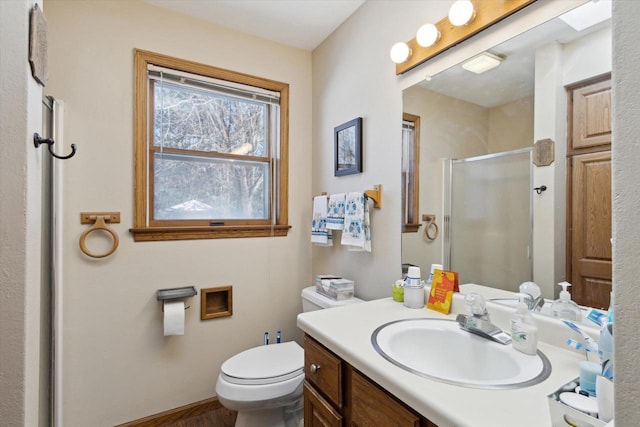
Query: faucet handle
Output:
(533,303)
(475,304)
(530,288)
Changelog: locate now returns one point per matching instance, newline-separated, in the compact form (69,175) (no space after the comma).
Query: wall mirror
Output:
(477,131)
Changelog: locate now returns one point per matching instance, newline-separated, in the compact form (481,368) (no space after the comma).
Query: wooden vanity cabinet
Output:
(317,411)
(323,400)
(336,395)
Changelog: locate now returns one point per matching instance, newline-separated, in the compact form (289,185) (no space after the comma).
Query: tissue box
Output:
(335,287)
(563,415)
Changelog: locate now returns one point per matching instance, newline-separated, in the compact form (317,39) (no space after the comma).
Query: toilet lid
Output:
(266,364)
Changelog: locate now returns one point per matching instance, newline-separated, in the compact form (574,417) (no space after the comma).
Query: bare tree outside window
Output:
(211,151)
(190,186)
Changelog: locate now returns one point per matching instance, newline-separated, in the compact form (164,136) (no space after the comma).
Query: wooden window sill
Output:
(194,233)
(410,228)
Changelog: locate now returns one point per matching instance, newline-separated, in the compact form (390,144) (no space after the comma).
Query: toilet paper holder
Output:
(171,294)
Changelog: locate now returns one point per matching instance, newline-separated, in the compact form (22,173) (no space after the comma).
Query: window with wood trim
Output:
(410,172)
(211,152)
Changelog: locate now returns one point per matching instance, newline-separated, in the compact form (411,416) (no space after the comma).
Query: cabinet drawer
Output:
(323,370)
(317,412)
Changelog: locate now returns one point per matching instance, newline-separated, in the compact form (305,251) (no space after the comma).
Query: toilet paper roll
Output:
(174,318)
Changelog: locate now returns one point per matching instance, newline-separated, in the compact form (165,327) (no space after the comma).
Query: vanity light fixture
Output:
(433,39)
(461,13)
(427,35)
(400,52)
(483,62)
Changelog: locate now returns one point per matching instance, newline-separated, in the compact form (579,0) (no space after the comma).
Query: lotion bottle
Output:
(524,332)
(564,308)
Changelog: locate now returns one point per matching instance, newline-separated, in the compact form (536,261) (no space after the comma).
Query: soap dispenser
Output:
(564,308)
(524,333)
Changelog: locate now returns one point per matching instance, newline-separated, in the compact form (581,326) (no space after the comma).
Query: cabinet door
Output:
(317,412)
(591,229)
(323,370)
(591,116)
(371,406)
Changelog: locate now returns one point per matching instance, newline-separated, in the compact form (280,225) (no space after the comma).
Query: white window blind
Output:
(209,83)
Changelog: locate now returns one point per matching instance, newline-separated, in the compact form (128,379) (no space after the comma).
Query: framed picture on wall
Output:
(348,147)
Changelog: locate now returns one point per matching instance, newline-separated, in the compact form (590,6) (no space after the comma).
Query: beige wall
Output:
(21,370)
(587,57)
(441,119)
(511,126)
(454,129)
(117,365)
(354,77)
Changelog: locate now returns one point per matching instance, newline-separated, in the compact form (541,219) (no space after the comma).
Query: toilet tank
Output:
(312,300)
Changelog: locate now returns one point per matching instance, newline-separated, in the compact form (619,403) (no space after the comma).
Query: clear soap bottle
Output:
(564,307)
(524,332)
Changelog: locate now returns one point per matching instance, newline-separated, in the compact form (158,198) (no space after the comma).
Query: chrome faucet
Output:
(478,321)
(533,304)
(532,296)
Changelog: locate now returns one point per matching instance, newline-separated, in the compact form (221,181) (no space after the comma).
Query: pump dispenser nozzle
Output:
(563,307)
(564,293)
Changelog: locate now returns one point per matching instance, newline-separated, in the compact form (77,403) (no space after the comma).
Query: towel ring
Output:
(100,224)
(431,223)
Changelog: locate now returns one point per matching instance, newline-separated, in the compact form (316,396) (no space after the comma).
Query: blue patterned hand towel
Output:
(335,211)
(319,233)
(357,232)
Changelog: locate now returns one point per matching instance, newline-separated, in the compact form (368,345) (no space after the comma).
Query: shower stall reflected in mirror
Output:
(489,219)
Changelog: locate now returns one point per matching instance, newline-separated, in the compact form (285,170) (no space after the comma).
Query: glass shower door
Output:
(490,219)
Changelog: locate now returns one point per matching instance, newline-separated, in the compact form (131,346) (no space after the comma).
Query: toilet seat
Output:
(268,364)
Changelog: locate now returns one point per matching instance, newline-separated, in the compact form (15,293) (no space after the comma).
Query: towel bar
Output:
(375,195)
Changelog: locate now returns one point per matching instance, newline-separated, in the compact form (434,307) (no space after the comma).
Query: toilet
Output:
(264,384)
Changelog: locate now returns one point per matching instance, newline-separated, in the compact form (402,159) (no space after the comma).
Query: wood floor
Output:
(221,417)
(206,413)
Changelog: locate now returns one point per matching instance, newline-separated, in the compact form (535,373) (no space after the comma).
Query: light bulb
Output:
(461,13)
(427,35)
(400,52)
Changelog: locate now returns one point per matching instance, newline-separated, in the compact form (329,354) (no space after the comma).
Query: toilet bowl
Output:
(264,384)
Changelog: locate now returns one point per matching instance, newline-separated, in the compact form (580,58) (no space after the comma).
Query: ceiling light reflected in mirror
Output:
(482,63)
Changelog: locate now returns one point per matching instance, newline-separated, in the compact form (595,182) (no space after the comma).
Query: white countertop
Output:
(347,332)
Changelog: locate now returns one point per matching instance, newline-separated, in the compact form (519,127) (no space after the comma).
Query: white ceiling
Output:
(299,23)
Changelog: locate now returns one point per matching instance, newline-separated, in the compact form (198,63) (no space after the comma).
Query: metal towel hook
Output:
(37,140)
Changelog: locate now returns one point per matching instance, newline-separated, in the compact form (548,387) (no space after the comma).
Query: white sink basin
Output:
(440,350)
